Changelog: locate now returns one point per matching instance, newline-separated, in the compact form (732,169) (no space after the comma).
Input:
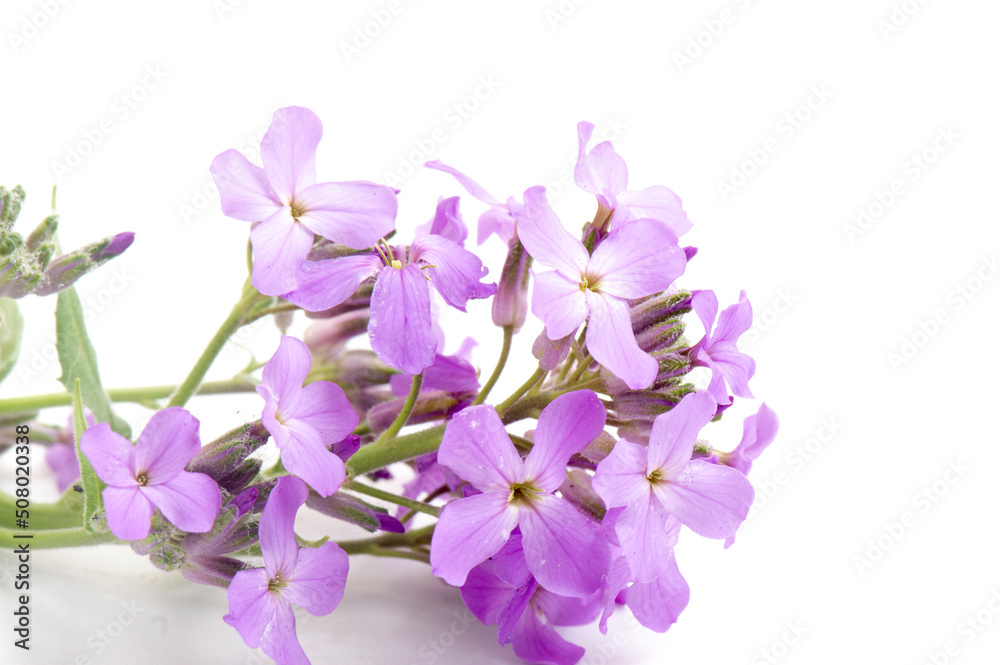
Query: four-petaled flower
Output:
(151,475)
(717,349)
(261,599)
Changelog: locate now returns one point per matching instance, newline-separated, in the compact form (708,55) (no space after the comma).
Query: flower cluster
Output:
(547,508)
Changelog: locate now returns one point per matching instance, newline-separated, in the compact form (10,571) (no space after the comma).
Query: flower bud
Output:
(66,269)
(430,406)
(42,233)
(343,506)
(327,338)
(225,460)
(510,304)
(10,206)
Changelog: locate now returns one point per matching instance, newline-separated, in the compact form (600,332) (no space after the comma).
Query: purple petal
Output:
(563,548)
(559,303)
(189,501)
(565,427)
(551,352)
(306,455)
(610,175)
(277,526)
(509,563)
(288,150)
(674,433)
(325,284)
(469,531)
(111,455)
(447,222)
(706,306)
(476,447)
(465,181)
(324,405)
(484,593)
(658,604)
(709,499)
(639,259)
(562,611)
(612,343)
(537,642)
(166,445)
(128,512)
(583,174)
(516,605)
(61,458)
(617,579)
(620,479)
(356,214)
(734,320)
(642,532)
(543,235)
(736,367)
(280,246)
(454,271)
(251,605)
(285,372)
(318,581)
(244,189)
(659,203)
(280,641)
(759,431)
(400,328)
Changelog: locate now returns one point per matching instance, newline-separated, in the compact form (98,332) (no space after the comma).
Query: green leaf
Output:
(92,504)
(11,327)
(78,361)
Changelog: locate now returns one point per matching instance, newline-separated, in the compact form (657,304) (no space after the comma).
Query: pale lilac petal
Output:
(280,246)
(498,221)
(559,303)
(356,214)
(658,604)
(324,406)
(710,499)
(612,343)
(583,174)
(537,642)
(244,189)
(509,563)
(288,150)
(189,501)
(642,531)
(517,605)
(280,642)
(672,439)
(608,168)
(618,578)
(563,548)
(759,431)
(287,369)
(639,259)
(447,222)
(277,526)
(659,203)
(128,512)
(317,583)
(565,427)
(484,593)
(465,181)
(251,605)
(321,285)
(167,443)
(734,320)
(706,306)
(111,455)
(307,456)
(476,447)
(620,479)
(469,531)
(735,366)
(717,384)
(454,271)
(543,235)
(400,329)
(61,458)
(563,611)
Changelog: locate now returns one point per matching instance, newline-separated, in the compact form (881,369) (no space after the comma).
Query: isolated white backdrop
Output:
(862,540)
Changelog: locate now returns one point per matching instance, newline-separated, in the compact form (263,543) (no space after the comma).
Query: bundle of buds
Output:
(550,507)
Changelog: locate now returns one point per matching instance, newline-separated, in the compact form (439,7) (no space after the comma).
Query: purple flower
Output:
(603,173)
(305,420)
(151,475)
(717,349)
(562,547)
(656,483)
(447,222)
(261,599)
(401,328)
(291,206)
(452,374)
(759,431)
(61,458)
(639,259)
(498,219)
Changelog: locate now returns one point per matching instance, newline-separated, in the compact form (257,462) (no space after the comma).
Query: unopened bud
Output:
(343,506)
(66,269)
(10,206)
(42,233)
(226,460)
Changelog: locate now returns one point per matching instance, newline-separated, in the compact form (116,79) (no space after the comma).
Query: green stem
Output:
(384,453)
(419,506)
(139,395)
(508,336)
(64,514)
(404,415)
(235,320)
(525,387)
(409,539)
(56,538)
(584,366)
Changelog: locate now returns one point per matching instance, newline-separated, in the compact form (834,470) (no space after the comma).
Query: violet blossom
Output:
(717,349)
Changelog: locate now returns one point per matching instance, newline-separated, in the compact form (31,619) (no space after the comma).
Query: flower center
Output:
(142,479)
(522,493)
(397,264)
(654,477)
(585,283)
(277,583)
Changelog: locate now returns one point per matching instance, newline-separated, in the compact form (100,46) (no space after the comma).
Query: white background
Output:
(830,305)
